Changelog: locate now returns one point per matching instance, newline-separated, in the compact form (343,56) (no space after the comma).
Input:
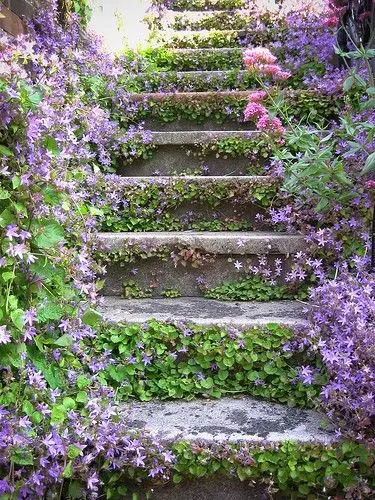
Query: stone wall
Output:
(13,13)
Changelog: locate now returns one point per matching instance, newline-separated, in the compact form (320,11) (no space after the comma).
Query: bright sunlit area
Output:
(120,22)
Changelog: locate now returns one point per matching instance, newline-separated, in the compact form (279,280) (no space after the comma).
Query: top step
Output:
(182,5)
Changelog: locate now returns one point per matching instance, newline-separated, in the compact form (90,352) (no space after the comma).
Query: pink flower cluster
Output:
(255,110)
(261,61)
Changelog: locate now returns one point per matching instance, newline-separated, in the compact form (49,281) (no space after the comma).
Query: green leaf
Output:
(10,354)
(177,478)
(22,457)
(369,165)
(52,374)
(51,234)
(51,145)
(64,341)
(69,403)
(82,397)
(4,151)
(91,317)
(348,83)
(73,451)
(28,408)
(58,414)
(17,318)
(75,490)
(68,471)
(82,381)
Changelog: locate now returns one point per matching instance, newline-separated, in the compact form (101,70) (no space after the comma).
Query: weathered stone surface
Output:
(253,180)
(203,311)
(157,275)
(199,136)
(212,488)
(208,125)
(174,160)
(242,419)
(223,243)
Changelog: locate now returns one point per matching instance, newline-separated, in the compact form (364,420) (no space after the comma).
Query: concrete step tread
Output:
(203,311)
(199,136)
(200,179)
(220,243)
(241,419)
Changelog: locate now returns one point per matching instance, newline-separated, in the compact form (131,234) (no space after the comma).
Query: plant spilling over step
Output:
(181,361)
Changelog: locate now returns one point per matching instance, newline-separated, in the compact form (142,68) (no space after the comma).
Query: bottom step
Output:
(203,311)
(227,420)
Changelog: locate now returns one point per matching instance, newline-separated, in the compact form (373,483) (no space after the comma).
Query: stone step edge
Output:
(204,312)
(229,420)
(199,136)
(218,243)
(191,73)
(212,94)
(200,179)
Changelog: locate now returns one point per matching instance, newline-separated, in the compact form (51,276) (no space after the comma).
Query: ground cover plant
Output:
(64,373)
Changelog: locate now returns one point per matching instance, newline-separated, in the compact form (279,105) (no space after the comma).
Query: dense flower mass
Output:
(67,122)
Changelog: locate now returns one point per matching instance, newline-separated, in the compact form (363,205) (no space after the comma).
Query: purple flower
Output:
(4,335)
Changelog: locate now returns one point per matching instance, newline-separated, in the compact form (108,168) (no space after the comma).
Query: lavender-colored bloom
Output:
(4,335)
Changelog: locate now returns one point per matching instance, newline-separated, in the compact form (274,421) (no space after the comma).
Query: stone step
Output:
(193,264)
(201,203)
(207,154)
(228,420)
(199,5)
(213,153)
(172,111)
(203,312)
(199,136)
(192,81)
(192,111)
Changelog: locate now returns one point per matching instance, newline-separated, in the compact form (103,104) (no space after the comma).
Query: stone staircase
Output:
(145,270)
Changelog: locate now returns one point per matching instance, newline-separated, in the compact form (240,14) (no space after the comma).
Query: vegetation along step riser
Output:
(215,39)
(196,59)
(192,81)
(190,273)
(189,215)
(222,110)
(186,360)
(216,20)
(199,5)
(183,203)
